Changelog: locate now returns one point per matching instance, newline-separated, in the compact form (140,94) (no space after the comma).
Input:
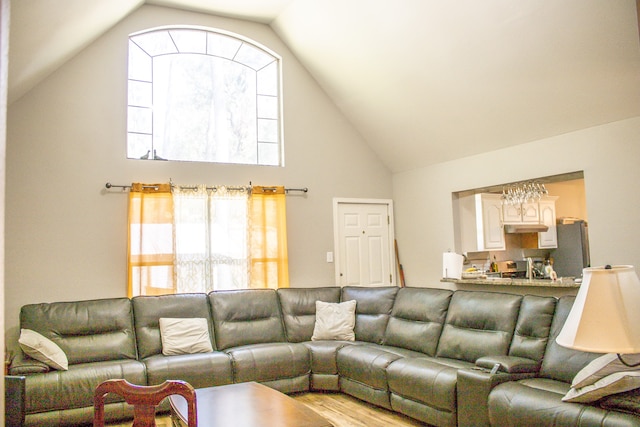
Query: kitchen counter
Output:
(563,282)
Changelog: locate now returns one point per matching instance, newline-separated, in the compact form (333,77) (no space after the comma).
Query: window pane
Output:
(138,144)
(253,57)
(139,120)
(267,130)
(139,63)
(267,107)
(155,43)
(269,154)
(205,109)
(268,80)
(140,93)
(221,45)
(190,41)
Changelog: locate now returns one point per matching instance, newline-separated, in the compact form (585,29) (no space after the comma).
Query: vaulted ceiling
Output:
(423,81)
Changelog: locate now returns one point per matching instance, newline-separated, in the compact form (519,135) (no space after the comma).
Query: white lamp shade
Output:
(605,317)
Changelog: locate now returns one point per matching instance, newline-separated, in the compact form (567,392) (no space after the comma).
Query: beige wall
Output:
(608,155)
(572,199)
(66,236)
(4,56)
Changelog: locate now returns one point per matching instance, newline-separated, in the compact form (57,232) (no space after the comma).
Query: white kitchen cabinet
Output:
(547,208)
(480,227)
(525,213)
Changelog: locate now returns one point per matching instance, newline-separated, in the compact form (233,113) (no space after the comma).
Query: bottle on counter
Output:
(494,265)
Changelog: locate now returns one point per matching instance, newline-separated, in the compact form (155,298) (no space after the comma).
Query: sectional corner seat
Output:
(424,352)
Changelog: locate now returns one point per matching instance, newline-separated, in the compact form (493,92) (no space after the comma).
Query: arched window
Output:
(199,94)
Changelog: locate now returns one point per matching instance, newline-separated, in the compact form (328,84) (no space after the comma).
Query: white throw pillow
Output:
(184,336)
(335,321)
(42,349)
(611,384)
(603,366)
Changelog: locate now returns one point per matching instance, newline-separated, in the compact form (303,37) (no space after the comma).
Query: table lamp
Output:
(605,317)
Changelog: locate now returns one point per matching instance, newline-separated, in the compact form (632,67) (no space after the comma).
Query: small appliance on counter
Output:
(512,269)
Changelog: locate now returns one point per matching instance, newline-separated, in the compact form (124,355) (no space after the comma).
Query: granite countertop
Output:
(562,282)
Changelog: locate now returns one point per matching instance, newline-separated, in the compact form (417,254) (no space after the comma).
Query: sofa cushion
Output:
(59,390)
(335,321)
(475,327)
(270,361)
(373,309)
(426,381)
(533,327)
(538,402)
(245,317)
(42,349)
(562,363)
(184,336)
(87,331)
(417,318)
(199,369)
(299,309)
(149,309)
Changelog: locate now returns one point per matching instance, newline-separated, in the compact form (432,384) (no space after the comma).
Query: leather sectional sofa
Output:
(423,352)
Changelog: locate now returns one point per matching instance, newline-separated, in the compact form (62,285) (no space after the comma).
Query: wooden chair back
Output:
(144,400)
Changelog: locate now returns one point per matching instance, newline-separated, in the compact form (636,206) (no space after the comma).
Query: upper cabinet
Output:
(481,223)
(525,213)
(547,209)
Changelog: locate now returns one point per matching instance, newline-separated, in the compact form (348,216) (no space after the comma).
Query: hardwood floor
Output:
(345,411)
(340,409)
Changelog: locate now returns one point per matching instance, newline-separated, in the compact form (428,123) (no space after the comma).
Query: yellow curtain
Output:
(268,238)
(151,249)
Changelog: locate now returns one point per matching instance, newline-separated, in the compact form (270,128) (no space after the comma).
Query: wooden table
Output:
(246,405)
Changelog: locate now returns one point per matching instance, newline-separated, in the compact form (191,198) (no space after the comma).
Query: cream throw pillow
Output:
(611,384)
(184,336)
(603,366)
(335,321)
(42,349)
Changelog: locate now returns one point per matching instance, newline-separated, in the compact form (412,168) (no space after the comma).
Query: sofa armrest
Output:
(22,364)
(509,364)
(473,388)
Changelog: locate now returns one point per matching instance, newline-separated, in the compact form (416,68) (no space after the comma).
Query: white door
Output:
(363,232)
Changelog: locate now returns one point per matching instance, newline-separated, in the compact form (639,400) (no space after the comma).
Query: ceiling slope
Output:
(431,81)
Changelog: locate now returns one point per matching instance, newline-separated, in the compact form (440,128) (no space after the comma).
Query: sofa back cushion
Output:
(247,316)
(533,327)
(417,318)
(562,363)
(87,331)
(478,324)
(149,309)
(299,309)
(373,309)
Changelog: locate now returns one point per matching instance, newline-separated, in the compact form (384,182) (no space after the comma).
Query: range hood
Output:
(525,228)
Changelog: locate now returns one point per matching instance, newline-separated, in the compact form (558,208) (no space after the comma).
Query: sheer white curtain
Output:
(211,238)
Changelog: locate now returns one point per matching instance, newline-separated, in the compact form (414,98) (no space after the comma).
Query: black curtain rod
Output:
(109,185)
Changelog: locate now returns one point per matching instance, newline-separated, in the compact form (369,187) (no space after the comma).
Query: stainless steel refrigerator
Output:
(572,254)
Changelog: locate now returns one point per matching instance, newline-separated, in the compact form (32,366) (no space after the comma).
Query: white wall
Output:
(66,235)
(609,155)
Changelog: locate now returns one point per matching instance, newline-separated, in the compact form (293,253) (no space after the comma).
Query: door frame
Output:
(337,201)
